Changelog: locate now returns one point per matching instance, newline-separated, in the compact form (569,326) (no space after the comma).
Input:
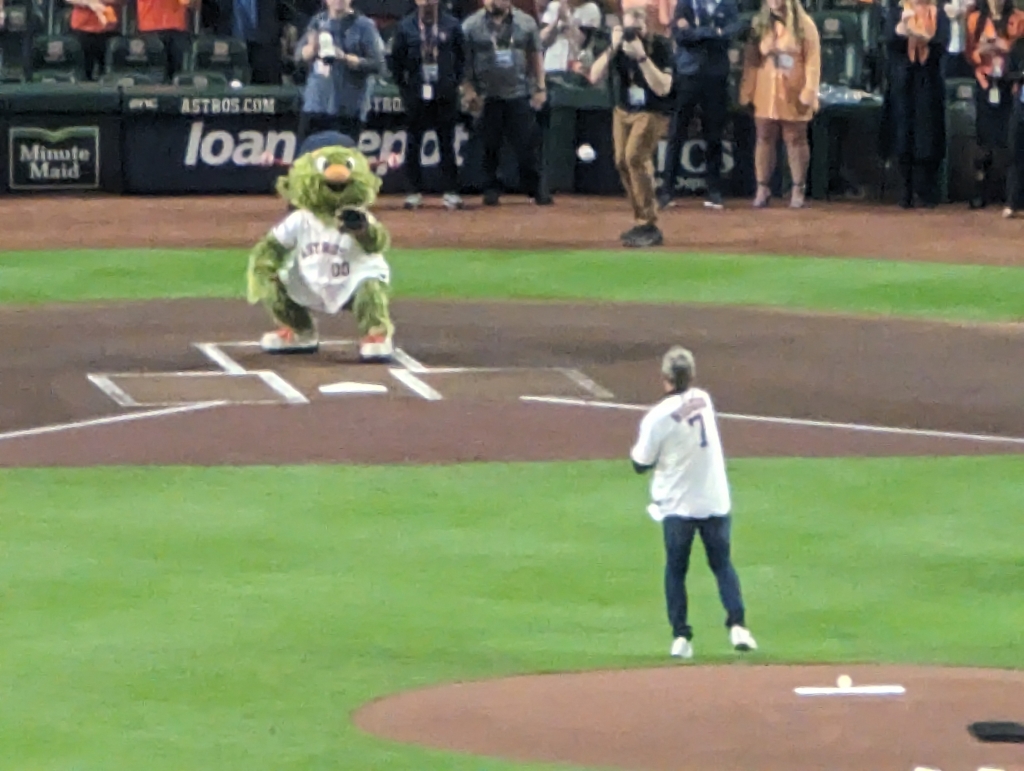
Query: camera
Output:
(629,34)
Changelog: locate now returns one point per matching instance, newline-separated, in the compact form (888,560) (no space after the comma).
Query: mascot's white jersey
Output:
(325,266)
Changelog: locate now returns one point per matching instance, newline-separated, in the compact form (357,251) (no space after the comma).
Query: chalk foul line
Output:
(110,419)
(800,422)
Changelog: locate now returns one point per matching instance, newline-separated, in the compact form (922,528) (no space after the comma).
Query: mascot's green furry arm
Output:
(327,255)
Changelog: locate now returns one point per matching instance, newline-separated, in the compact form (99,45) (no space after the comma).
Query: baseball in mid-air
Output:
(844,681)
(586,153)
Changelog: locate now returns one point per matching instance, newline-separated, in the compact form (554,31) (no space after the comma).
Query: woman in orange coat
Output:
(781,73)
(992,29)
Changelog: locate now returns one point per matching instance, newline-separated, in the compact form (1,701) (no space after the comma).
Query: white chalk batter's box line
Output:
(410,369)
(286,393)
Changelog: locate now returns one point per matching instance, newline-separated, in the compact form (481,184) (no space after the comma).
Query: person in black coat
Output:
(703,31)
(916,36)
(428,61)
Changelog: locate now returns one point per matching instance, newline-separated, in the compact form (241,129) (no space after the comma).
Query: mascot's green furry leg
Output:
(297,331)
(371,310)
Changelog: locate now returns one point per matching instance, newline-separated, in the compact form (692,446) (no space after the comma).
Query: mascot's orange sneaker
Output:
(287,340)
(376,346)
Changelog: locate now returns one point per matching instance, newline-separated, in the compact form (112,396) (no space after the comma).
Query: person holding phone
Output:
(992,30)
(641,63)
(343,52)
(781,74)
(916,37)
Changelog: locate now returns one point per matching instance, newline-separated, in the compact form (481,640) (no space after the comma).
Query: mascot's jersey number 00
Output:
(326,265)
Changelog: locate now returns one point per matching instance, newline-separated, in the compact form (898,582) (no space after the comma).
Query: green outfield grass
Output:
(230,619)
(855,286)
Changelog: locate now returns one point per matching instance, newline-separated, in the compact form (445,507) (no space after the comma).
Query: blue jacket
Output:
(406,61)
(702,47)
(342,90)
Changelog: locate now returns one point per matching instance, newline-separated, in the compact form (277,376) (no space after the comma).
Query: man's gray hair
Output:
(677,367)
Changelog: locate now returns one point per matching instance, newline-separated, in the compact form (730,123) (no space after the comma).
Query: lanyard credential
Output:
(428,41)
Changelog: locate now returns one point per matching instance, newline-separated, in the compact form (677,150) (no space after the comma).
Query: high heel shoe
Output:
(764,195)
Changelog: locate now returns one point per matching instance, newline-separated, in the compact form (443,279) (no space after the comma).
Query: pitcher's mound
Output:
(718,718)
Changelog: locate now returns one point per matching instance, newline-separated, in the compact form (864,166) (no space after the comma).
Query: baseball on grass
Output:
(844,681)
(586,153)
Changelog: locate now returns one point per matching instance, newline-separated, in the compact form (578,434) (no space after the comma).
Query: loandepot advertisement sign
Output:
(60,159)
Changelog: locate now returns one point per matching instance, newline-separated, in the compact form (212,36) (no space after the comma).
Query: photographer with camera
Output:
(641,64)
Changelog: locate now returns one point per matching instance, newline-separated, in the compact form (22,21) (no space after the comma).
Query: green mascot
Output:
(327,255)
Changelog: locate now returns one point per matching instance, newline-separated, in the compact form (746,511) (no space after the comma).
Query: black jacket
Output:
(702,46)
(406,59)
(914,109)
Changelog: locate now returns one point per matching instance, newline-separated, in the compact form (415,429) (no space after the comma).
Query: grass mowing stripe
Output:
(916,289)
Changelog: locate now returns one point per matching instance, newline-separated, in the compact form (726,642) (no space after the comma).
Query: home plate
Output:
(353,388)
(853,690)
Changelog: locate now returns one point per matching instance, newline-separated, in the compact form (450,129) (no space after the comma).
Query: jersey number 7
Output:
(698,418)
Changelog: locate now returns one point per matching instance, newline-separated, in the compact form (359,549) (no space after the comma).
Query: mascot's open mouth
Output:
(337,176)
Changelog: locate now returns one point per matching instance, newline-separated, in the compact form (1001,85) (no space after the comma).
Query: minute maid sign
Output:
(61,159)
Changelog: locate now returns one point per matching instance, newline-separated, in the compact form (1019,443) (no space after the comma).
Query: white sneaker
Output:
(452,201)
(376,347)
(742,639)
(287,340)
(413,201)
(682,648)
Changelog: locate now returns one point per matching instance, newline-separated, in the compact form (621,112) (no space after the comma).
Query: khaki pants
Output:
(636,136)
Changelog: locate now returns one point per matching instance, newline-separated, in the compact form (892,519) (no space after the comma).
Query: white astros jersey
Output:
(325,266)
(679,437)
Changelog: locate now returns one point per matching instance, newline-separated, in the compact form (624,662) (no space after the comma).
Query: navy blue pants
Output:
(714,532)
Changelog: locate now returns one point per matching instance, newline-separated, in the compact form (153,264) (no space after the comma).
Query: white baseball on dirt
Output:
(585,153)
(844,681)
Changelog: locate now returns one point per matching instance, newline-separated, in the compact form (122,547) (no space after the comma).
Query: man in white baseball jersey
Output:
(679,441)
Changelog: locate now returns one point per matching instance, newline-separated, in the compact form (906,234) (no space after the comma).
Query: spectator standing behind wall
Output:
(169,21)
(565,29)
(992,30)
(428,60)
(641,66)
(916,36)
(781,74)
(703,30)
(505,84)
(94,23)
(258,24)
(955,65)
(659,13)
(344,52)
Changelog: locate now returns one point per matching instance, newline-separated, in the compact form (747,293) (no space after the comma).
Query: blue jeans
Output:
(679,533)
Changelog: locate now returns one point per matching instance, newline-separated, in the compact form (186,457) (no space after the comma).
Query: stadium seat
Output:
(842,49)
(141,56)
(225,55)
(958,169)
(201,80)
(62,21)
(22,20)
(869,18)
(57,58)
